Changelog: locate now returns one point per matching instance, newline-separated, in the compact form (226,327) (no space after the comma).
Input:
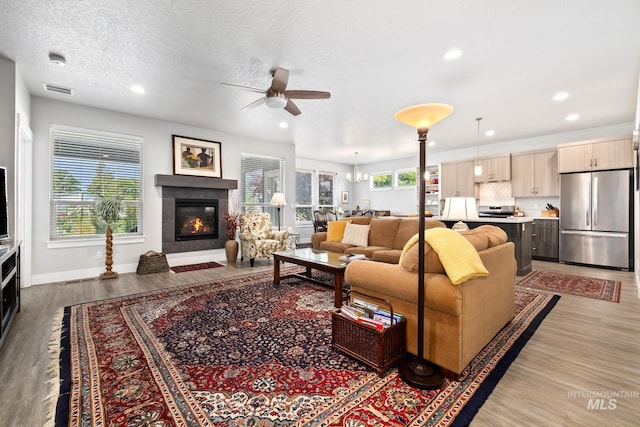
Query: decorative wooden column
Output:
(109,274)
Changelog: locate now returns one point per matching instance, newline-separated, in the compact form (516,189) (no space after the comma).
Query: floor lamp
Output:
(418,372)
(278,201)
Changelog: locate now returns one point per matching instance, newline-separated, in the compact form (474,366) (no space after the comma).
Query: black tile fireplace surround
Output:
(193,188)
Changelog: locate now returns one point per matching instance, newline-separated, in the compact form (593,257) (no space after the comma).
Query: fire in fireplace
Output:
(196,219)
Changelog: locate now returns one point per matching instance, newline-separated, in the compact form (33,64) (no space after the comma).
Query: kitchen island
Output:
(519,231)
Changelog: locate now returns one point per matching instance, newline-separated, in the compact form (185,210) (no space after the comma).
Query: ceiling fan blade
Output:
(252,89)
(280,80)
(254,104)
(306,94)
(292,108)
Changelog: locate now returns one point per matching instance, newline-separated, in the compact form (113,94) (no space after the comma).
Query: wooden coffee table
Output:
(313,259)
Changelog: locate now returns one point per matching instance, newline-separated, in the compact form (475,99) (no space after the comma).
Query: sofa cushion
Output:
(361,220)
(496,235)
(432,263)
(335,230)
(406,230)
(457,250)
(408,227)
(382,232)
(334,246)
(367,251)
(480,241)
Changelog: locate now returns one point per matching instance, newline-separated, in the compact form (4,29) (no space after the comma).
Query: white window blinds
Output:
(262,176)
(89,164)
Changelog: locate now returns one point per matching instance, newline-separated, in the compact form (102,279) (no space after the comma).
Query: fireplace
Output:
(199,191)
(196,219)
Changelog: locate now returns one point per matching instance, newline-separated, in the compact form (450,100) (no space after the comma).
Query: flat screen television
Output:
(4,212)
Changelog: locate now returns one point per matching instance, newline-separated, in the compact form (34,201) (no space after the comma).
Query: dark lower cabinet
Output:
(10,291)
(545,239)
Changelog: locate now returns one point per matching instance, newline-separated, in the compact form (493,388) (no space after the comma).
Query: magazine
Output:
(351,257)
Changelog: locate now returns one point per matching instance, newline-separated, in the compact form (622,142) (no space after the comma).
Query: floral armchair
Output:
(257,239)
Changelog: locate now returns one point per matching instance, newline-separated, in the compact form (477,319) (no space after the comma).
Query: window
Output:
(406,178)
(262,176)
(325,190)
(381,180)
(88,164)
(304,180)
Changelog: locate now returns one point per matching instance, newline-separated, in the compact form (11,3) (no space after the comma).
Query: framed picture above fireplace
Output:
(198,157)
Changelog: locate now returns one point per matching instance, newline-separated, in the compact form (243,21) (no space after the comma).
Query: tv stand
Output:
(10,290)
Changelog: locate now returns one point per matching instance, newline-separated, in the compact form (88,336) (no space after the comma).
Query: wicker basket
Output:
(152,262)
(380,349)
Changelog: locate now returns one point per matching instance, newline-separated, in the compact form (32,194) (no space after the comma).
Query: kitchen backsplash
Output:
(495,194)
(499,194)
(531,206)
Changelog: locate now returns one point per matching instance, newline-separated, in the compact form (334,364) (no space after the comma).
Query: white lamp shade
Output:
(278,199)
(460,208)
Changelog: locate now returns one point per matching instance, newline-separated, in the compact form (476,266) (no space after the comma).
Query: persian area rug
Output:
(606,290)
(194,267)
(244,352)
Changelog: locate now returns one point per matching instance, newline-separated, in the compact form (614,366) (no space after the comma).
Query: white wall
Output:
(405,201)
(63,264)
(8,133)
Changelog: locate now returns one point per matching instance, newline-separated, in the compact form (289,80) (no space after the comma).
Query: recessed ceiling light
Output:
(57,59)
(560,96)
(284,125)
(452,54)
(137,89)
(490,132)
(572,117)
(431,143)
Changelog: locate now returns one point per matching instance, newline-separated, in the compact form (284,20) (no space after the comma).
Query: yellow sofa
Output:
(459,319)
(387,237)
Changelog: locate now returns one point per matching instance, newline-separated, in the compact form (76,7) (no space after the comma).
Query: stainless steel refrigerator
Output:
(595,218)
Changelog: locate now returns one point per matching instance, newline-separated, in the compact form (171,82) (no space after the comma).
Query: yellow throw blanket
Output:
(457,255)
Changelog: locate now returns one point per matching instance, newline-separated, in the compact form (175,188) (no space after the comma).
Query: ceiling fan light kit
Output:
(276,101)
(276,96)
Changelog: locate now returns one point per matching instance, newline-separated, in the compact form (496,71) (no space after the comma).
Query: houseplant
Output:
(109,210)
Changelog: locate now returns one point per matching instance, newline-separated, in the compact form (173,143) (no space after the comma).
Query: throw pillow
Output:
(335,230)
(357,235)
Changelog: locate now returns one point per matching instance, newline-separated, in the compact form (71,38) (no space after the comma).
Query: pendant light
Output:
(477,170)
(357,175)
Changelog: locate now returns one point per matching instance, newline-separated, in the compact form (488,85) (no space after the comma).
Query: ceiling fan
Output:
(278,97)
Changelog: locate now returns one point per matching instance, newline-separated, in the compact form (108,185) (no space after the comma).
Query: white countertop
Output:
(509,220)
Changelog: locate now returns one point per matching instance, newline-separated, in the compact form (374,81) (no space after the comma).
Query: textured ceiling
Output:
(375,57)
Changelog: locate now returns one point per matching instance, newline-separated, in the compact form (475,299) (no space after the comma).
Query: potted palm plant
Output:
(110,210)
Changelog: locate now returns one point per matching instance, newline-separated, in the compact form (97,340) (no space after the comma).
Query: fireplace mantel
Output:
(186,181)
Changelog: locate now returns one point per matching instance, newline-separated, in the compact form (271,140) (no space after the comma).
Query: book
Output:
(348,314)
(368,307)
(356,312)
(370,322)
(384,316)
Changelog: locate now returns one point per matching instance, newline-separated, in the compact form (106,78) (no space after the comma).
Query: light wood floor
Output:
(584,348)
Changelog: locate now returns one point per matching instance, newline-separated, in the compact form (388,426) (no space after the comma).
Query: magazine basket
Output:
(380,349)
(152,262)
